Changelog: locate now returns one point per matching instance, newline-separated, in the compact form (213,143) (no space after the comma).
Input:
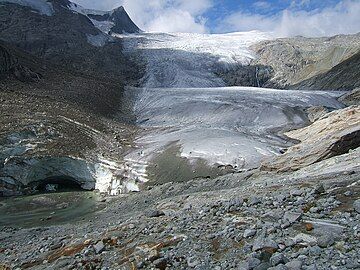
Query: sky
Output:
(285,18)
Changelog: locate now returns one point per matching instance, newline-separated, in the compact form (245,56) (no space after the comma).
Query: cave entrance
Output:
(58,184)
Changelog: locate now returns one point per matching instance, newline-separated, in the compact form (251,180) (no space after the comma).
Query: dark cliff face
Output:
(15,64)
(121,20)
(52,56)
(44,35)
(67,39)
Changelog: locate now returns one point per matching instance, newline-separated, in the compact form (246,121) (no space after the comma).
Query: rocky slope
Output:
(301,63)
(240,221)
(351,98)
(63,111)
(66,38)
(334,134)
(14,64)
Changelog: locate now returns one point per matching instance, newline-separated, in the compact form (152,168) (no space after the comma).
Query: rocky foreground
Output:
(305,219)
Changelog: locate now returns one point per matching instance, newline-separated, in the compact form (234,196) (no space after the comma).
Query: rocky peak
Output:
(118,19)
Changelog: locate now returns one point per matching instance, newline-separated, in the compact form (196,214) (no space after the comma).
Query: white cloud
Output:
(342,19)
(160,15)
(262,5)
(176,21)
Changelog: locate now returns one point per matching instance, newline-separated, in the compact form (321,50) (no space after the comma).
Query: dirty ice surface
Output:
(236,126)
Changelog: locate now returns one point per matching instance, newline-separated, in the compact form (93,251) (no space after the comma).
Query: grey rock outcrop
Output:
(301,63)
(11,65)
(334,134)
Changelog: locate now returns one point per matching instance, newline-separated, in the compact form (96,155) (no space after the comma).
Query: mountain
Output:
(62,86)
(117,20)
(64,37)
(300,63)
(130,152)
(67,43)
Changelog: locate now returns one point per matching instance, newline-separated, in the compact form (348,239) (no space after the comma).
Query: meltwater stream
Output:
(192,126)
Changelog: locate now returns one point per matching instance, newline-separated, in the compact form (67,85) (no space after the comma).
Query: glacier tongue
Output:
(235,126)
(183,103)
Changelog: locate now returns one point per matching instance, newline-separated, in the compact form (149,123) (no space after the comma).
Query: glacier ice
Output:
(231,125)
(183,60)
(182,102)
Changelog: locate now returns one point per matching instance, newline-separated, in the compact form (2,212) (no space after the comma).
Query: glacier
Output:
(185,60)
(182,103)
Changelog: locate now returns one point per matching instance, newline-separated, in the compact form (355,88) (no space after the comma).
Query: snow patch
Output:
(80,9)
(103,26)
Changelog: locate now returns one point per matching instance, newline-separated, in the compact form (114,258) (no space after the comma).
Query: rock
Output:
(296,192)
(273,215)
(334,134)
(160,263)
(311,267)
(99,247)
(253,262)
(316,112)
(292,217)
(351,98)
(305,238)
(292,64)
(314,210)
(326,240)
(277,259)
(154,213)
(294,265)
(262,266)
(147,252)
(309,227)
(356,206)
(319,189)
(51,187)
(278,267)
(238,202)
(262,243)
(192,262)
(249,233)
(254,201)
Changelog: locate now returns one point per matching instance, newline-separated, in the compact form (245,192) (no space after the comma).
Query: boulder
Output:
(357,206)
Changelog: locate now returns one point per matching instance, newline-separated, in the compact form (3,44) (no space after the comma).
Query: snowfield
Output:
(185,60)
